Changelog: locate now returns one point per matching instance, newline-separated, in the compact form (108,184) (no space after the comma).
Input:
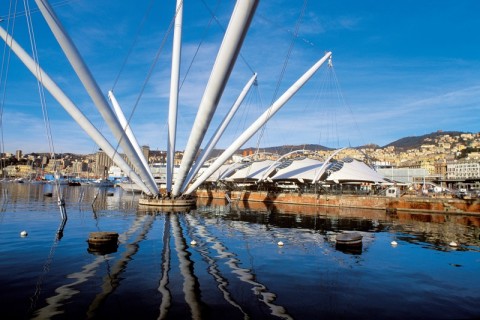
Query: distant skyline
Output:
(400,69)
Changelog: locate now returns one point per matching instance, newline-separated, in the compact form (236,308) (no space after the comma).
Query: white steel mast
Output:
(237,28)
(218,133)
(173,103)
(254,127)
(94,91)
(72,110)
(128,130)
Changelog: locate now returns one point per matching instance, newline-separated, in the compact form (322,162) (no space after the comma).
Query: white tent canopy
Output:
(225,171)
(303,169)
(252,170)
(353,170)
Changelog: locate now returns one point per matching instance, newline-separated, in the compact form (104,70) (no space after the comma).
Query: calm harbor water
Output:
(236,269)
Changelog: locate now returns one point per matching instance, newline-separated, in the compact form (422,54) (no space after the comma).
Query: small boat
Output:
(102,183)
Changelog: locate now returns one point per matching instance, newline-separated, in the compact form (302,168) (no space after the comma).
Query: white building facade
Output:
(463,170)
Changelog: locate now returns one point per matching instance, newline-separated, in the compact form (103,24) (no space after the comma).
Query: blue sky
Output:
(401,68)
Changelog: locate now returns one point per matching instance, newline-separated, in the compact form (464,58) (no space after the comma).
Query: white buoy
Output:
(453,244)
(23,233)
(280,243)
(394,243)
(193,242)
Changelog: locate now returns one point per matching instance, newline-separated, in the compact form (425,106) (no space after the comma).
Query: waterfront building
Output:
(440,168)
(102,163)
(54,165)
(463,170)
(405,175)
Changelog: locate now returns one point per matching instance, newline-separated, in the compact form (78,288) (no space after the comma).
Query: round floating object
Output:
(280,243)
(453,244)
(23,233)
(102,238)
(394,243)
(193,243)
(102,242)
(349,239)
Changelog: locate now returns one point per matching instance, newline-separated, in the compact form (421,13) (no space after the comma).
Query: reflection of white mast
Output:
(243,274)
(112,281)
(237,28)
(162,288)
(173,105)
(218,134)
(65,292)
(189,280)
(250,131)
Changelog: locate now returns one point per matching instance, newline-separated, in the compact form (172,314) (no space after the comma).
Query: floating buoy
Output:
(280,243)
(23,233)
(349,239)
(193,243)
(453,244)
(394,243)
(102,242)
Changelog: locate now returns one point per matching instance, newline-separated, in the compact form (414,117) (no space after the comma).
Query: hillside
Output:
(414,142)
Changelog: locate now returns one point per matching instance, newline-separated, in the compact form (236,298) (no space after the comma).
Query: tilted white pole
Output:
(72,110)
(173,103)
(93,90)
(128,130)
(237,28)
(254,127)
(218,133)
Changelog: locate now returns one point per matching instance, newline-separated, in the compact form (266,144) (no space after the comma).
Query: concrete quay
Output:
(406,203)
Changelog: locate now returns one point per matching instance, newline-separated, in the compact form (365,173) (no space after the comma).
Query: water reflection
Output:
(243,274)
(435,228)
(163,286)
(236,269)
(113,279)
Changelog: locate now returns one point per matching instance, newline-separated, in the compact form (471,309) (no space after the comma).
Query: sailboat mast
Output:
(235,34)
(173,103)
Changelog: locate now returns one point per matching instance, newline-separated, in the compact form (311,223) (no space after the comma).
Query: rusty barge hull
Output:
(413,204)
